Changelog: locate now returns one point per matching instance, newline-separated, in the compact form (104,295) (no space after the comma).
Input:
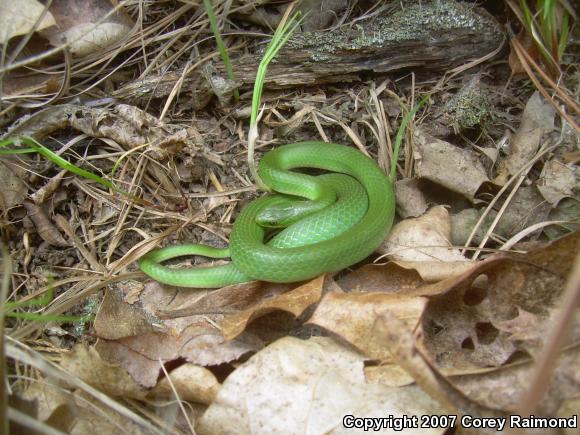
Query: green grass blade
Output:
(37,302)
(564,33)
(220,44)
(399,137)
(57,160)
(11,152)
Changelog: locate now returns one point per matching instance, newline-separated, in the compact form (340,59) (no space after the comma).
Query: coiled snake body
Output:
(347,218)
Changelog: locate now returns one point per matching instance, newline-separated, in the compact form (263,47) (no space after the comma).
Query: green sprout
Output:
(280,37)
(399,138)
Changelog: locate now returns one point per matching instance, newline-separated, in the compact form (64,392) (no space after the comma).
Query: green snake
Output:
(341,219)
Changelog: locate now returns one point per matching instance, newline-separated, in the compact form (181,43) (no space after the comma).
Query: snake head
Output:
(278,216)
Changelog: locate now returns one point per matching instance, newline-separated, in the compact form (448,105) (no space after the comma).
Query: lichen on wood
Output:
(414,22)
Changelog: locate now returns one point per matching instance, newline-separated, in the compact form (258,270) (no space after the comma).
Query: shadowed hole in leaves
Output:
(222,371)
(474,296)
(477,292)
(467,344)
(170,366)
(486,332)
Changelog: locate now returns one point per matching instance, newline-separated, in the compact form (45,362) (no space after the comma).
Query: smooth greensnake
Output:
(346,219)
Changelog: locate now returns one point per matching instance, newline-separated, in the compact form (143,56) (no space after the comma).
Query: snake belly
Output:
(328,240)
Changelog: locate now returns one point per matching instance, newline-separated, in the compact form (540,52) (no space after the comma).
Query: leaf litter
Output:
(425,328)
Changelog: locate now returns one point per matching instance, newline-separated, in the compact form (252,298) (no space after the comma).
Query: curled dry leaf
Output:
(43,225)
(456,169)
(537,120)
(311,385)
(558,181)
(132,335)
(352,316)
(294,301)
(85,26)
(423,239)
(19,17)
(466,326)
(232,298)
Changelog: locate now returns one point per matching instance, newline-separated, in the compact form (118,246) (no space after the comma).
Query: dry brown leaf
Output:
(422,239)
(44,226)
(311,385)
(86,364)
(134,337)
(526,208)
(192,383)
(200,344)
(117,319)
(456,169)
(294,301)
(531,48)
(558,181)
(82,24)
(394,334)
(143,370)
(537,120)
(387,278)
(411,201)
(461,328)
(13,187)
(72,412)
(352,317)
(503,388)
(232,298)
(18,17)
(389,374)
(433,271)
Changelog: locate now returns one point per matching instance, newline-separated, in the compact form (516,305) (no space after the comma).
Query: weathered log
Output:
(436,36)
(432,36)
